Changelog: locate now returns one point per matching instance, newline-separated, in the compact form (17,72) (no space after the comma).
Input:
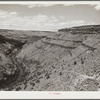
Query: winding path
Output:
(12,79)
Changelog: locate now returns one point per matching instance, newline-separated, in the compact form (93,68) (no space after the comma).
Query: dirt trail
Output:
(16,77)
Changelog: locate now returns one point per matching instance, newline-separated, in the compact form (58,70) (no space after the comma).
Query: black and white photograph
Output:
(50,46)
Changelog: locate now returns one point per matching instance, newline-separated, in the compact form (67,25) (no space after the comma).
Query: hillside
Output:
(67,60)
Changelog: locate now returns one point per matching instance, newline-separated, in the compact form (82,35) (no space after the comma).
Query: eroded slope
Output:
(60,61)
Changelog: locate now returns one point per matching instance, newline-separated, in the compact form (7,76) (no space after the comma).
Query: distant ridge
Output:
(83,29)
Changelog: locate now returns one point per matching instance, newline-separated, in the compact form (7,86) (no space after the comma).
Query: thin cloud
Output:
(45,5)
(13,20)
(38,5)
(97,7)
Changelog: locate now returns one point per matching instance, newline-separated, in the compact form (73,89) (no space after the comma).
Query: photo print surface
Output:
(49,47)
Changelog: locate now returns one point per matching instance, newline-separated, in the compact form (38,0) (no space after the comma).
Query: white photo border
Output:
(49,94)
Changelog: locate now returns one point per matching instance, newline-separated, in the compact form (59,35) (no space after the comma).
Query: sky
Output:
(48,17)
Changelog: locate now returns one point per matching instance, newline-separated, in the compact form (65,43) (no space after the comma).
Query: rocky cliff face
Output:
(67,60)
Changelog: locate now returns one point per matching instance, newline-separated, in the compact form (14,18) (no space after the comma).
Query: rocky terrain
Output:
(67,60)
